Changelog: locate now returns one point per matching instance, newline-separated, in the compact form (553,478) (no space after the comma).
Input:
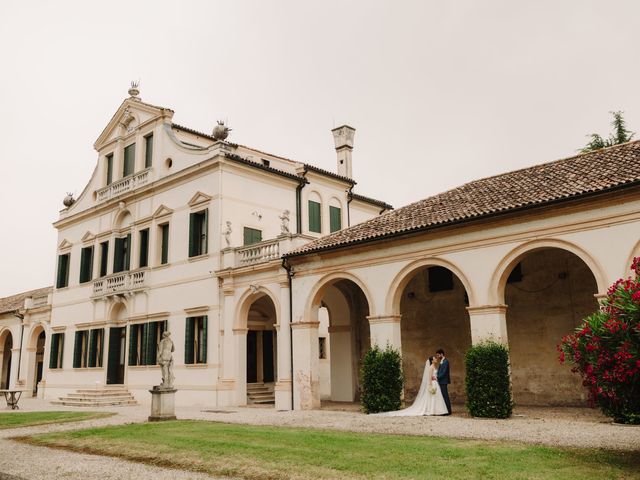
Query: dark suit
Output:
(444,381)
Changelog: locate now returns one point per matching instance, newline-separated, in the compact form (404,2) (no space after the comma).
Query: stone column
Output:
(240,341)
(118,161)
(228,377)
(306,366)
(488,322)
(385,329)
(283,381)
(15,357)
(341,351)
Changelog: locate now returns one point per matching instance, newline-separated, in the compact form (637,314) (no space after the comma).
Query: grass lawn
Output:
(259,452)
(29,419)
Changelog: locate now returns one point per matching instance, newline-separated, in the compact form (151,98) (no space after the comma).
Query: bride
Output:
(429,400)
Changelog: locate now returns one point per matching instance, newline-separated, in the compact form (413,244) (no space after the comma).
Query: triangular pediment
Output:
(88,237)
(65,244)
(162,211)
(130,115)
(199,198)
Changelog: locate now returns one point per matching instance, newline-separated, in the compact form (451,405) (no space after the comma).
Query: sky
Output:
(440,92)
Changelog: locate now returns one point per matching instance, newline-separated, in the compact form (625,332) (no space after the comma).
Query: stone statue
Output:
(227,234)
(165,360)
(284,226)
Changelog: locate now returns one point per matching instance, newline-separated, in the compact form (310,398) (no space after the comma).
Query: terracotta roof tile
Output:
(563,179)
(16,302)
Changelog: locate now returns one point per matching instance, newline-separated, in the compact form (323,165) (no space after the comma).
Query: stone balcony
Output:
(262,252)
(124,185)
(122,283)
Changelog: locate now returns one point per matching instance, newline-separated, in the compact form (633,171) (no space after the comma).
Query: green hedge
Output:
(487,384)
(382,380)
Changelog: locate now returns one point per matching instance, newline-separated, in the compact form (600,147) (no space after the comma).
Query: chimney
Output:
(343,138)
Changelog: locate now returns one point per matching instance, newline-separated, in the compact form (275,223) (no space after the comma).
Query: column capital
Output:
(304,325)
(240,331)
(487,309)
(373,319)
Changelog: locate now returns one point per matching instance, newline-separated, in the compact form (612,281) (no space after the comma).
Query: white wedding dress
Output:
(426,403)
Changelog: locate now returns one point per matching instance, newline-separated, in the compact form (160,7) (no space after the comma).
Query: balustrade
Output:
(125,185)
(119,283)
(258,253)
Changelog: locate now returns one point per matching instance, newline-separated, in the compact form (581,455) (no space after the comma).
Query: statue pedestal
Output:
(162,404)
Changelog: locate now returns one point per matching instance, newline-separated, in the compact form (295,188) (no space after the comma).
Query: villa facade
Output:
(273,272)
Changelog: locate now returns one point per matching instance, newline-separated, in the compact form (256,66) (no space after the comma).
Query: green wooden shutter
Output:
(104,256)
(109,168)
(148,152)
(129,160)
(133,344)
(247,236)
(144,331)
(53,354)
(193,217)
(203,347)
(204,240)
(118,255)
(127,252)
(77,350)
(113,360)
(152,343)
(188,340)
(61,348)
(63,271)
(165,244)
(314,217)
(86,264)
(99,359)
(335,219)
(93,344)
(144,248)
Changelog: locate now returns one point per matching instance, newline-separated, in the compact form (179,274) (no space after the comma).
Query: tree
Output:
(605,351)
(619,135)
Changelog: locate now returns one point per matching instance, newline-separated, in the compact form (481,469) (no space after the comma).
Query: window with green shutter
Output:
(80,349)
(104,258)
(129,160)
(164,243)
(57,349)
(122,254)
(252,235)
(62,279)
(96,346)
(335,219)
(198,226)
(188,340)
(86,264)
(195,340)
(315,224)
(148,150)
(144,248)
(134,358)
(109,169)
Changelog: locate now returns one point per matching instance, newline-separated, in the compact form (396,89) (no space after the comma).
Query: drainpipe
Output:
(289,269)
(302,182)
(349,199)
(21,317)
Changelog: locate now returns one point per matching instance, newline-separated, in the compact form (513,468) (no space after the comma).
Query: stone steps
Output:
(97,397)
(259,393)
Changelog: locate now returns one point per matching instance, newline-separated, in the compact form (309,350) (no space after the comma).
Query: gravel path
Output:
(558,427)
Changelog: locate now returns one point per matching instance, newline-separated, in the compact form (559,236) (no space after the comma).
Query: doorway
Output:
(115,368)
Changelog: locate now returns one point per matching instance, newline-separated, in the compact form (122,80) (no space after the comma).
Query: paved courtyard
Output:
(569,427)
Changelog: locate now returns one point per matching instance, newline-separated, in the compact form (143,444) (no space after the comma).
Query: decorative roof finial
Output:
(220,131)
(68,200)
(134,91)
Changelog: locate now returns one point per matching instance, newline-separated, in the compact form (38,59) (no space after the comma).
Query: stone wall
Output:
(556,291)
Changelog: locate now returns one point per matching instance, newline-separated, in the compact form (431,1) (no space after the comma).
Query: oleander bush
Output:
(381,380)
(605,351)
(487,383)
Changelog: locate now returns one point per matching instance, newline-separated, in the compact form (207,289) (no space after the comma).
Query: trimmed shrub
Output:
(605,351)
(381,380)
(488,385)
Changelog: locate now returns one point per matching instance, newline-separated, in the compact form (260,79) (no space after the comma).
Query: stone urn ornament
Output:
(220,131)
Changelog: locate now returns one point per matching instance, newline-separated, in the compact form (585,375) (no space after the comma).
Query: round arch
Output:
(3,334)
(120,219)
(626,268)
(501,273)
(247,299)
(402,278)
(318,290)
(34,333)
(117,310)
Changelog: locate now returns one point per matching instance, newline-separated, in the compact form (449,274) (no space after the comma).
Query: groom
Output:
(443,378)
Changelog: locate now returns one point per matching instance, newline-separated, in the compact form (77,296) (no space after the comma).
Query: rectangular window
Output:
(104,256)
(122,254)
(86,264)
(144,248)
(322,347)
(57,349)
(96,347)
(164,244)
(195,340)
(198,244)
(148,150)
(109,169)
(129,160)
(335,219)
(440,279)
(62,279)
(143,342)
(252,235)
(81,349)
(315,224)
